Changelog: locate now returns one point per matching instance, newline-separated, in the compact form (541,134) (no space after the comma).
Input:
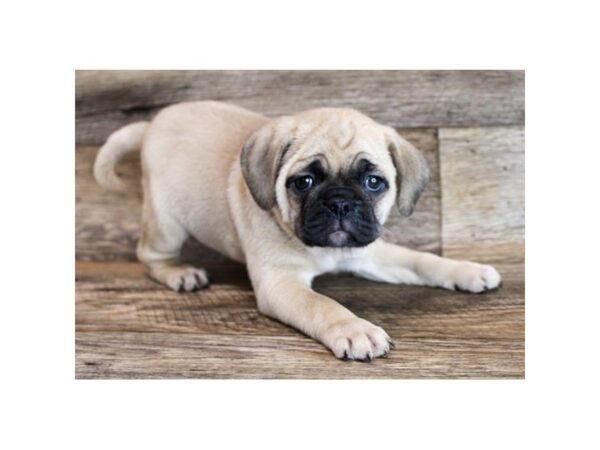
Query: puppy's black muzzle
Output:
(339,217)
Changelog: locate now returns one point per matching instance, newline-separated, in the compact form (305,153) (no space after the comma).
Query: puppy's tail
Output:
(123,141)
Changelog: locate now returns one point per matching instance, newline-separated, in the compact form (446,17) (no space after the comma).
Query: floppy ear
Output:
(412,171)
(262,157)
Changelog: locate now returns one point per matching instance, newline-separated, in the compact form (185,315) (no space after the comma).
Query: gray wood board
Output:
(483,184)
(107,100)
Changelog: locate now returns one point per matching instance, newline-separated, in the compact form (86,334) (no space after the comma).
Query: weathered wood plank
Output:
(107,100)
(163,355)
(483,184)
(128,326)
(107,224)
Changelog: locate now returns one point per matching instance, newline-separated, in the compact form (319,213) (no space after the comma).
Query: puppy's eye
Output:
(303,183)
(374,183)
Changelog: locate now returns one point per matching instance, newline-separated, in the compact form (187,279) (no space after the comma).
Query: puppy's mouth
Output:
(339,233)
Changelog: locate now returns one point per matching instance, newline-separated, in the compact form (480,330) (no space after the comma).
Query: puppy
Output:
(292,198)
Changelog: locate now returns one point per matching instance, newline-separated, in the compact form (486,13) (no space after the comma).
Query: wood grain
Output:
(129,327)
(107,100)
(483,186)
(159,355)
(107,224)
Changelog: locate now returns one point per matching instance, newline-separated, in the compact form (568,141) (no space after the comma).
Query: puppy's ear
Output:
(262,157)
(412,171)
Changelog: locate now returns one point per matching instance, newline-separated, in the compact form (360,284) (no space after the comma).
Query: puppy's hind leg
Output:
(159,249)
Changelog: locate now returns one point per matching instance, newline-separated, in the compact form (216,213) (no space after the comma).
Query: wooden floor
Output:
(470,127)
(130,327)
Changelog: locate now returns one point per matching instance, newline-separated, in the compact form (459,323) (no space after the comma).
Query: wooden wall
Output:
(469,124)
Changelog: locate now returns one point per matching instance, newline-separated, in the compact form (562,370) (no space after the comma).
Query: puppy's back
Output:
(187,153)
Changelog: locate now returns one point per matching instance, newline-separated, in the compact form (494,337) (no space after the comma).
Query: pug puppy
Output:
(292,198)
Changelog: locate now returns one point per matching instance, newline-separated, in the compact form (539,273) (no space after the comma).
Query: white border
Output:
(45,41)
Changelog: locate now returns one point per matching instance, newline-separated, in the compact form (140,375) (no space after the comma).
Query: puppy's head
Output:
(332,175)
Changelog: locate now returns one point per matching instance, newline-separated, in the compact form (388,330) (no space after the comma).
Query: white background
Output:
(42,43)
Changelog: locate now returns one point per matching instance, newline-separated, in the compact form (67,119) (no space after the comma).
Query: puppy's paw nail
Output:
(181,287)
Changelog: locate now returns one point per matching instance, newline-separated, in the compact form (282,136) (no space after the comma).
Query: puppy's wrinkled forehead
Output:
(336,138)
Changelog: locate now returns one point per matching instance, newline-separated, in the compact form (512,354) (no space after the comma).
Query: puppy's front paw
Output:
(472,277)
(187,279)
(357,339)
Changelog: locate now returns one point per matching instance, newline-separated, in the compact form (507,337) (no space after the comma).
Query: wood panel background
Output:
(483,181)
(106,100)
(469,124)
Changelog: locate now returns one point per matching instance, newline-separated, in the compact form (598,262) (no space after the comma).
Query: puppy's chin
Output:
(339,238)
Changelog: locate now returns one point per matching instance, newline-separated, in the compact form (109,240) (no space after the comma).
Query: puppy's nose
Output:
(339,206)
